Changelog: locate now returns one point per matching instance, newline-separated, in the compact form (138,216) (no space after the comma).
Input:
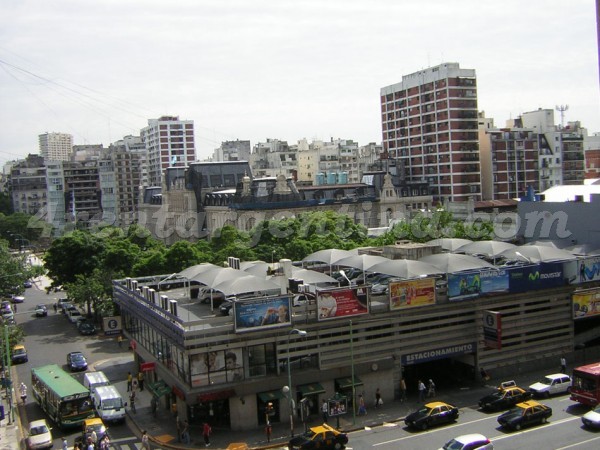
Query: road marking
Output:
(529,430)
(433,430)
(579,443)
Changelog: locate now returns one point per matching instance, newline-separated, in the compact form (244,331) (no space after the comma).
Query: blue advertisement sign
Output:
(535,277)
(258,314)
(589,269)
(465,285)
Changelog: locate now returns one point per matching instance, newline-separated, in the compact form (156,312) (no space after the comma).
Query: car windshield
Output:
(424,411)
(112,403)
(19,351)
(77,357)
(453,445)
(546,380)
(40,429)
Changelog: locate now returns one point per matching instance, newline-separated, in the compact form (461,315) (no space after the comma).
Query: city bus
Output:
(66,401)
(585,387)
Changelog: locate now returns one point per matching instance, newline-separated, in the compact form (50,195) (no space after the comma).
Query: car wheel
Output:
(544,420)
(424,426)
(337,446)
(547,394)
(518,426)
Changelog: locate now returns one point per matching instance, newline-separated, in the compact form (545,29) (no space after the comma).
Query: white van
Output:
(91,380)
(109,404)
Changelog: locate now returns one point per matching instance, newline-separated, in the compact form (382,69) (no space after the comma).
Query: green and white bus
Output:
(62,397)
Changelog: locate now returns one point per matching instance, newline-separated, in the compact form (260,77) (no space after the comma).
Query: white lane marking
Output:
(579,443)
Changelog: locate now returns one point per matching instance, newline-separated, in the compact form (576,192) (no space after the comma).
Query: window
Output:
(261,360)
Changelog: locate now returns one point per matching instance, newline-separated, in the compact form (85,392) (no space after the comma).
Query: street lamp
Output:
(300,333)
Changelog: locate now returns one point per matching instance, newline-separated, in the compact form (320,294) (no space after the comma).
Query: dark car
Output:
(19,354)
(41,311)
(321,437)
(27,284)
(504,398)
(431,414)
(76,361)
(226,306)
(86,328)
(525,414)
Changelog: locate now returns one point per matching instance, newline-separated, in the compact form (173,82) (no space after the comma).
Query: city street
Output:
(48,340)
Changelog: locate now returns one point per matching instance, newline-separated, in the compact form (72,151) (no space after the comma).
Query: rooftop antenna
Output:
(562,109)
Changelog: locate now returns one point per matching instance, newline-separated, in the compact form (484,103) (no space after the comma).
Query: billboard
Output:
(535,277)
(411,293)
(261,313)
(215,367)
(586,303)
(589,269)
(465,285)
(336,303)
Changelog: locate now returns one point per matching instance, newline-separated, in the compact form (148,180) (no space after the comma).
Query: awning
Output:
(311,389)
(214,396)
(269,396)
(159,388)
(346,382)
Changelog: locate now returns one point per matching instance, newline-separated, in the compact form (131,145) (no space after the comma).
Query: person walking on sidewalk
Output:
(402,390)
(145,441)
(140,378)
(185,433)
(120,340)
(324,411)
(378,400)
(268,431)
(422,389)
(23,392)
(362,409)
(132,401)
(563,364)
(206,431)
(129,381)
(431,389)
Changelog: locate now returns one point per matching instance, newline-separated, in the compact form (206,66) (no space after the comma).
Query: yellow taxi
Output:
(322,437)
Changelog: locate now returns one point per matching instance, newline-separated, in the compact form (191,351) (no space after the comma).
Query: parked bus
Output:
(585,387)
(62,397)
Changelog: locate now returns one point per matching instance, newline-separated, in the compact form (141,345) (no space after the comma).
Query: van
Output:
(91,380)
(109,404)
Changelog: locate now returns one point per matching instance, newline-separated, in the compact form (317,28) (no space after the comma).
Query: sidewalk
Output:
(162,427)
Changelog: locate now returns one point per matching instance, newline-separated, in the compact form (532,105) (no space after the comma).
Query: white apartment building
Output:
(169,143)
(232,151)
(56,146)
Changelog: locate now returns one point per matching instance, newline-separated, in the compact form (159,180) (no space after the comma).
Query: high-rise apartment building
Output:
(429,126)
(56,146)
(169,143)
(27,184)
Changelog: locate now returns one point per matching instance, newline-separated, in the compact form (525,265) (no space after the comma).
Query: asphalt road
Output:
(48,340)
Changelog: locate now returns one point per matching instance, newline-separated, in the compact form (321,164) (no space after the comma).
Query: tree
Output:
(87,291)
(181,255)
(13,271)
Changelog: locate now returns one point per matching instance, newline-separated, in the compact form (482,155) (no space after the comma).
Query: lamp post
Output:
(352,372)
(300,333)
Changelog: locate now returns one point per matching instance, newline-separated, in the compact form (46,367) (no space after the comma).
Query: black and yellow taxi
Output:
(525,414)
(90,426)
(322,437)
(504,398)
(431,414)
(19,354)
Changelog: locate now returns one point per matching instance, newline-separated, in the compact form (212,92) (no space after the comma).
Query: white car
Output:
(591,419)
(557,383)
(74,315)
(469,442)
(39,435)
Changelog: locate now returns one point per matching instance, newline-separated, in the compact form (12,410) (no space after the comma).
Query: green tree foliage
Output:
(14,271)
(181,255)
(88,291)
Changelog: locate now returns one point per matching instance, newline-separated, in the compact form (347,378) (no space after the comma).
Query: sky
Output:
(279,69)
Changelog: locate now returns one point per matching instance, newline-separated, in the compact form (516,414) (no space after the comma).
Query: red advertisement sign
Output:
(336,303)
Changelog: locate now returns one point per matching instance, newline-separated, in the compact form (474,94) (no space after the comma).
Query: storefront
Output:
(268,406)
(343,386)
(311,392)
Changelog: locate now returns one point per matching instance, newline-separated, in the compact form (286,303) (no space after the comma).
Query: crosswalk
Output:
(128,443)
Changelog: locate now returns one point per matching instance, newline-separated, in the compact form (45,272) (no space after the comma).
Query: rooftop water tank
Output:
(320,179)
(343,178)
(331,177)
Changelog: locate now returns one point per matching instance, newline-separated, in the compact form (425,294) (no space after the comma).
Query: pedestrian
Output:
(65,444)
(206,430)
(378,400)
(132,401)
(55,306)
(94,437)
(129,380)
(15,307)
(268,431)
(362,409)
(134,385)
(23,392)
(324,411)
(185,433)
(145,441)
(105,443)
(422,389)
(120,340)
(178,424)
(153,405)
(140,377)
(402,390)
(431,389)
(484,375)
(563,364)
(90,444)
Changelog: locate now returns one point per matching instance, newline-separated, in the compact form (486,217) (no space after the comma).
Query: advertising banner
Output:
(465,285)
(258,314)
(336,303)
(586,303)
(411,293)
(589,269)
(535,277)
(216,367)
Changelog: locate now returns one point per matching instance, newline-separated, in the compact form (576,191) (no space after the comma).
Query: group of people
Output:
(183,432)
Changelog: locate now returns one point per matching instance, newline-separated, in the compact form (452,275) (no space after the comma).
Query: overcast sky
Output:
(282,69)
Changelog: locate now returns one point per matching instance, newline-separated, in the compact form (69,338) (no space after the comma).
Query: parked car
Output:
(525,414)
(557,383)
(19,354)
(226,307)
(504,398)
(73,315)
(41,311)
(65,306)
(591,419)
(86,328)
(322,437)
(303,299)
(17,299)
(39,435)
(5,307)
(27,284)
(469,442)
(432,414)
(76,361)
(205,293)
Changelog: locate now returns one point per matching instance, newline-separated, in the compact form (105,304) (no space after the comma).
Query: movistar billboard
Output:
(538,276)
